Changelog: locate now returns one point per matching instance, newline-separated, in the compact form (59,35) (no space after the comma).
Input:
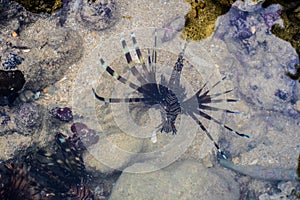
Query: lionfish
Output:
(47,175)
(16,183)
(162,94)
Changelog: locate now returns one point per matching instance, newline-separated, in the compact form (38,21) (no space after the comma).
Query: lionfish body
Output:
(61,172)
(17,183)
(169,95)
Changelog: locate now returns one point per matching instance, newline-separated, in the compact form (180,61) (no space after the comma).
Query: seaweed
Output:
(38,6)
(200,20)
(10,83)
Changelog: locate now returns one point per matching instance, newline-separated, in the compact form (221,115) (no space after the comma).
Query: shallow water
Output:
(157,165)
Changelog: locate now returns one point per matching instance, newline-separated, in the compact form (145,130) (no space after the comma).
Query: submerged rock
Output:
(11,61)
(181,180)
(52,51)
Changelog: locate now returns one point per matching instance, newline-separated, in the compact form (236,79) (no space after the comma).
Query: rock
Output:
(273,142)
(181,180)
(260,68)
(14,17)
(98,15)
(52,51)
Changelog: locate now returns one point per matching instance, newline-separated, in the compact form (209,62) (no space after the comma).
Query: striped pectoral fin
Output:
(119,100)
(106,100)
(116,76)
(211,108)
(198,94)
(139,54)
(132,67)
(221,93)
(209,117)
(208,135)
(223,100)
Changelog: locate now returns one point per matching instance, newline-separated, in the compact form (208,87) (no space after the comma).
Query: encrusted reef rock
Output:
(290,31)
(29,118)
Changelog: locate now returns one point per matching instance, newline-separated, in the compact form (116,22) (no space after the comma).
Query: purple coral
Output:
(63,114)
(83,136)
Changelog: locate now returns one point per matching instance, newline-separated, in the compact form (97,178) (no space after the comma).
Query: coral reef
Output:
(4,118)
(247,36)
(14,17)
(37,6)
(298,167)
(200,20)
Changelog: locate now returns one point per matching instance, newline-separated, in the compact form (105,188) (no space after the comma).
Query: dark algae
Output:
(10,83)
(200,20)
(38,6)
